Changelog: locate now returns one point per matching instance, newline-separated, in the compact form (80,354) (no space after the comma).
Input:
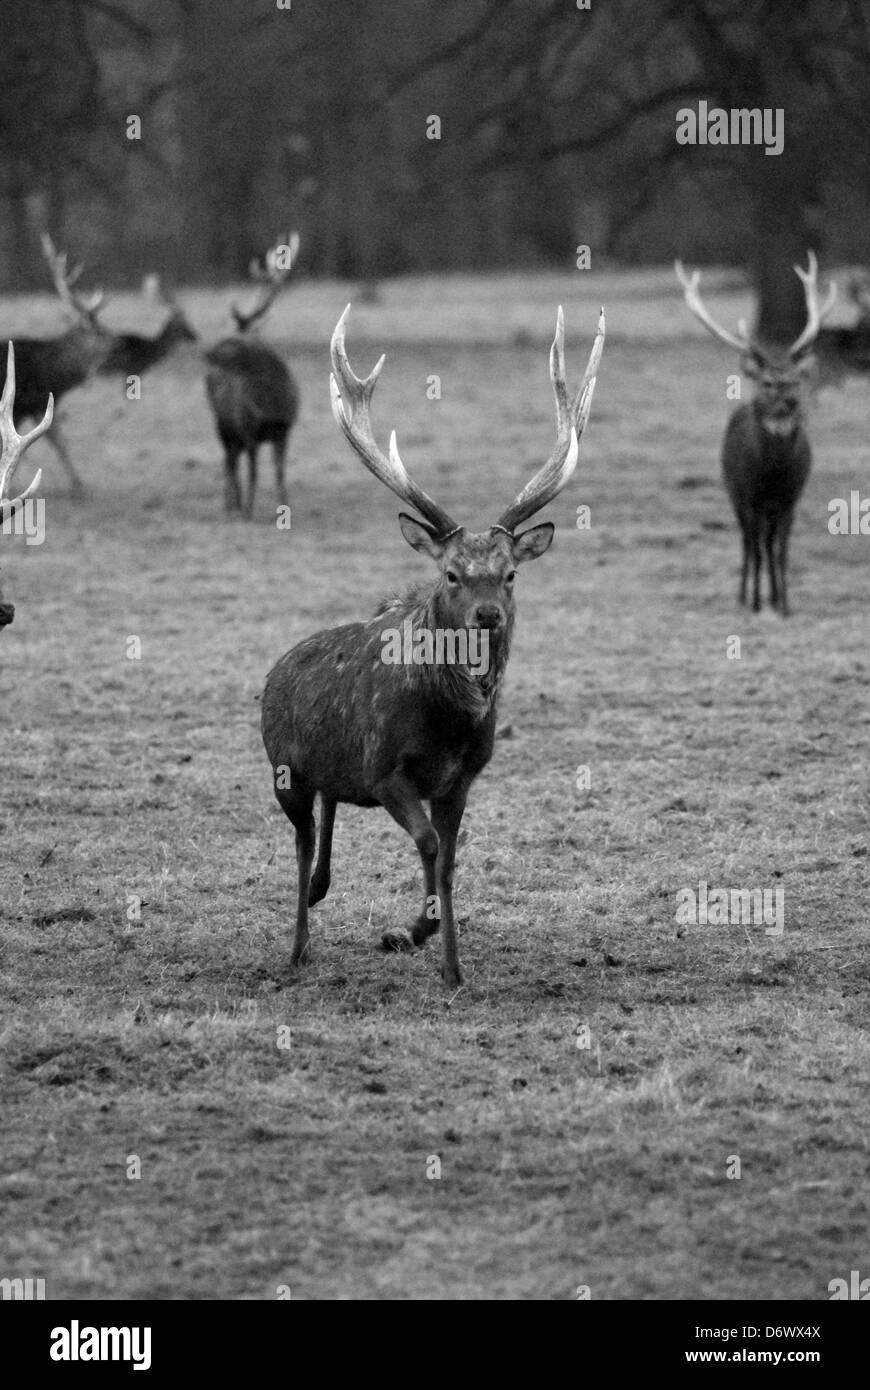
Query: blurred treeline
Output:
(557,128)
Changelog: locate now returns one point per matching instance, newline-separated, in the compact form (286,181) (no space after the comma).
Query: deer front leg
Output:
(446,817)
(782,561)
(772,565)
(744,571)
(398,795)
(756,568)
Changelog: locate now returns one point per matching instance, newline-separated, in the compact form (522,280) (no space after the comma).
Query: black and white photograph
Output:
(435,661)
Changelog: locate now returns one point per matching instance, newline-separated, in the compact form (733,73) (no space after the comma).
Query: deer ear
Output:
(532,543)
(420,536)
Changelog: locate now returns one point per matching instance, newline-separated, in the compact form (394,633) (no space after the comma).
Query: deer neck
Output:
(455,668)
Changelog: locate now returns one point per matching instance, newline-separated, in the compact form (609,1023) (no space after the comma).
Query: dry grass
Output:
(560,1166)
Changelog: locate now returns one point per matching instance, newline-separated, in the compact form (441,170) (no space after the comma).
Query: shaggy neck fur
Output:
(453,686)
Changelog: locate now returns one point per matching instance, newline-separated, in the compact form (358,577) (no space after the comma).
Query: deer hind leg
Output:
(232,494)
(55,434)
(248,509)
(298,806)
(319,886)
(279,449)
(398,795)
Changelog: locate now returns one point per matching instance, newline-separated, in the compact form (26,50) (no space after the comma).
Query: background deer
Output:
(13,446)
(765,452)
(338,720)
(60,364)
(846,349)
(252,393)
(131,354)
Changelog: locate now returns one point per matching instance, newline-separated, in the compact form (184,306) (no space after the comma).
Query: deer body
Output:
(343,720)
(55,365)
(766,454)
(765,471)
(255,401)
(252,393)
(60,364)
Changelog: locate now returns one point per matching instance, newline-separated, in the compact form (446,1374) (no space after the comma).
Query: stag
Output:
(339,720)
(131,354)
(13,446)
(59,364)
(766,454)
(252,393)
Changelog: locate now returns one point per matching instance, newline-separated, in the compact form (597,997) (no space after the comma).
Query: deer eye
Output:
(509,578)
(451,577)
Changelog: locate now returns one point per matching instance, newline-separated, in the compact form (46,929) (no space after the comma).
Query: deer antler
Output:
(357,430)
(270,276)
(14,444)
(571,420)
(815,313)
(84,307)
(691,291)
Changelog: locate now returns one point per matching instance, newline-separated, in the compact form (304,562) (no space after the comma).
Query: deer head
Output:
(177,328)
(271,276)
(780,374)
(14,446)
(477,570)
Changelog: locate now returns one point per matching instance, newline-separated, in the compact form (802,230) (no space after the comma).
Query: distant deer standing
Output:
(60,364)
(766,454)
(252,392)
(338,720)
(13,446)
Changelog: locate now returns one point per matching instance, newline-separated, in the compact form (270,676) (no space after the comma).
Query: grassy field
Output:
(145,779)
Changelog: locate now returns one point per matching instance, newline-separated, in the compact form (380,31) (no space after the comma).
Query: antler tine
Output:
(570,424)
(692,294)
(15,444)
(351,398)
(815,313)
(270,277)
(83,306)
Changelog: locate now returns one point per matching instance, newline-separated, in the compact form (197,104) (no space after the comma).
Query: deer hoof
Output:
(423,928)
(317,891)
(397,939)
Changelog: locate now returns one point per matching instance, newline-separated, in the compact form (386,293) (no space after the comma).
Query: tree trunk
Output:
(781,241)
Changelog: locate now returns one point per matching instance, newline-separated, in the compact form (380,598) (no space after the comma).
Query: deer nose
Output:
(7,613)
(488,615)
